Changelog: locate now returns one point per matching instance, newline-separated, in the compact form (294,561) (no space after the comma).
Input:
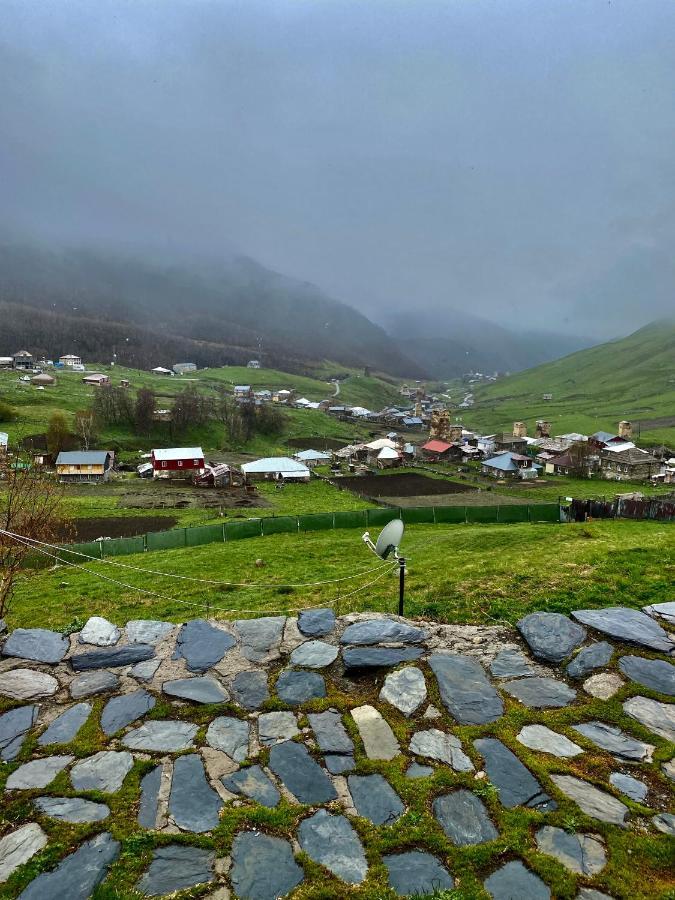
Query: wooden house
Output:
(96,379)
(176,461)
(83,465)
(70,360)
(23,360)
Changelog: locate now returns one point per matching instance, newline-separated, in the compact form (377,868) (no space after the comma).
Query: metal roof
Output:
(275,464)
(172,453)
(311,455)
(82,457)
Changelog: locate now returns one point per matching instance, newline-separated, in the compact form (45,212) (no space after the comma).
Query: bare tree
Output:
(85,427)
(57,433)
(31,505)
(144,410)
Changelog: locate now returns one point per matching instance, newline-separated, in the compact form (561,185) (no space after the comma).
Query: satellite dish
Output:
(390,538)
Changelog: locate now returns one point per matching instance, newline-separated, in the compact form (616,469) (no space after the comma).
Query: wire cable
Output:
(252,584)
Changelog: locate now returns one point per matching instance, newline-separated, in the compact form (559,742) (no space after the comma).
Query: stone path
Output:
(202,720)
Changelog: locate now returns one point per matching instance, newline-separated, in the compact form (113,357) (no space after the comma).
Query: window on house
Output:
(180,463)
(195,461)
(164,464)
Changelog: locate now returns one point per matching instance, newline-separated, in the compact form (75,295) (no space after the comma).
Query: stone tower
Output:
(519,429)
(440,424)
(543,429)
(455,434)
(626,430)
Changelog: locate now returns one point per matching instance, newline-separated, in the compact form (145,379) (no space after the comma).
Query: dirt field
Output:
(403,486)
(128,526)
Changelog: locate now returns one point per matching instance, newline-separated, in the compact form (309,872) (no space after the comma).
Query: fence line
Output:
(198,535)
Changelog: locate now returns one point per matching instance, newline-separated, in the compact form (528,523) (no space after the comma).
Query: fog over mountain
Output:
(511,161)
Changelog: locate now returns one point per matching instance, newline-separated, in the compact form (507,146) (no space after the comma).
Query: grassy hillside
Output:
(34,407)
(632,378)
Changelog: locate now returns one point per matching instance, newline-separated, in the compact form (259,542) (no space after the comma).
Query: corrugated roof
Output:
(273,465)
(436,446)
(173,453)
(311,455)
(82,458)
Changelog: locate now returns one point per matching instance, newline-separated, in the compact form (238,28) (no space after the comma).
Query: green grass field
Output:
(457,573)
(632,378)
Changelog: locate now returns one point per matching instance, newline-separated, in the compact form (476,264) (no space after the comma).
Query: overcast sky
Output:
(511,158)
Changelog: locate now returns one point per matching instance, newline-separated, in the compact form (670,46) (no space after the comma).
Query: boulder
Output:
(229,735)
(99,632)
(514,880)
(331,735)
(252,782)
(314,655)
(111,657)
(161,736)
(378,657)
(91,683)
(615,741)
(277,727)
(149,805)
(72,809)
(125,709)
(511,664)
(147,631)
(296,687)
(551,636)
(603,685)
(260,638)
(654,715)
(629,786)
(250,690)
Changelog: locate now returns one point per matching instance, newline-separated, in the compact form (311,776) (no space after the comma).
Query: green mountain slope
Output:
(632,378)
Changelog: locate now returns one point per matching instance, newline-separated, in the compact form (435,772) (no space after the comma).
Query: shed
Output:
(388,458)
(160,370)
(276,467)
(96,379)
(312,457)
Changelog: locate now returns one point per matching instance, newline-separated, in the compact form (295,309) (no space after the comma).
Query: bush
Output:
(7,412)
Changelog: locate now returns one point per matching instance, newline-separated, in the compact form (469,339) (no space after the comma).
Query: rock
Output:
(203,689)
(72,809)
(303,777)
(277,727)
(229,735)
(416,872)
(295,687)
(66,726)
(36,644)
(604,685)
(77,875)
(665,611)
(14,726)
(405,689)
(147,631)
(331,735)
(193,803)
(511,664)
(669,769)
(628,625)
(125,709)
(100,632)
(378,738)
(615,741)
(161,736)
(17,847)
(466,693)
(654,715)
(629,786)
(382,631)
(513,880)
(375,799)
(111,657)
(595,656)
(91,683)
(148,807)
(446,748)
(591,800)
(263,867)
(332,843)
(539,737)
(37,773)
(202,645)
(339,763)
(145,671)
(665,822)
(250,689)
(540,693)
(432,713)
(583,854)
(415,770)
(27,684)
(378,657)
(550,636)
(590,894)
(252,782)
(104,771)
(656,674)
(515,784)
(464,819)
(314,655)
(176,868)
(316,622)
(260,638)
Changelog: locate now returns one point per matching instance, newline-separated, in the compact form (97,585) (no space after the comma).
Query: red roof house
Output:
(177,459)
(436,449)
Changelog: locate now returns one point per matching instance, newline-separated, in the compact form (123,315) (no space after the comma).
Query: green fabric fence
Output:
(363,518)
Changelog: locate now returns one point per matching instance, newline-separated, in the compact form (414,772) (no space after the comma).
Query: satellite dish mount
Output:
(387,543)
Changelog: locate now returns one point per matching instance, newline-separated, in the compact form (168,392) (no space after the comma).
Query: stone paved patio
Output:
(373,750)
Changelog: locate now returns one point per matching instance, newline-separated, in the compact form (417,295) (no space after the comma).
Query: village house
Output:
(70,360)
(43,380)
(253,364)
(437,450)
(184,368)
(313,458)
(510,465)
(627,463)
(4,441)
(282,396)
(276,468)
(243,392)
(160,370)
(84,465)
(6,362)
(388,458)
(177,461)
(512,442)
(96,379)
(23,360)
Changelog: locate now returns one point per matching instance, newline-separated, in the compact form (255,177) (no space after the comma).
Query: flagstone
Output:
(36,644)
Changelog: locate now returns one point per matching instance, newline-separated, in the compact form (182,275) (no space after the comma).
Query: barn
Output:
(174,460)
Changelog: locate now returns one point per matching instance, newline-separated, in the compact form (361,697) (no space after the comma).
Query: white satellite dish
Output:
(390,538)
